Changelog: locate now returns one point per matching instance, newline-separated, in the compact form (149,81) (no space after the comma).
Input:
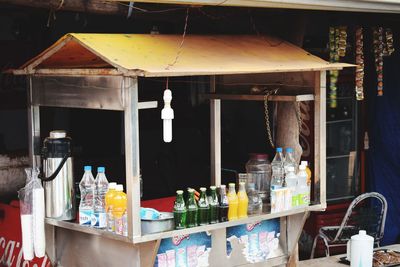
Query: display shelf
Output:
(210,227)
(86,229)
(150,237)
(287,98)
(338,121)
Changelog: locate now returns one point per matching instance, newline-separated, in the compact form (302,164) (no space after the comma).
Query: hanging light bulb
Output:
(167,114)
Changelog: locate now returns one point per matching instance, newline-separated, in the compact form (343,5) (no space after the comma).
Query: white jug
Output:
(360,250)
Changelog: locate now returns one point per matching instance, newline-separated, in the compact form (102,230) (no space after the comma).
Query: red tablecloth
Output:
(160,204)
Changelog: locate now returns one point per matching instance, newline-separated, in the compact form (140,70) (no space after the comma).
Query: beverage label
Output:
(110,222)
(304,199)
(119,226)
(125,224)
(99,220)
(85,216)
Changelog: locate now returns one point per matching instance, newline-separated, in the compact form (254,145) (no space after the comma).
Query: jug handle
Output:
(348,250)
(60,166)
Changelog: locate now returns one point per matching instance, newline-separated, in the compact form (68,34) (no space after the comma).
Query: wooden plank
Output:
(320,138)
(295,227)
(147,105)
(148,252)
(286,98)
(90,6)
(70,72)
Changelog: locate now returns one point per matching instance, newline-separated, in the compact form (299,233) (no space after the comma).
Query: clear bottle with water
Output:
(277,169)
(291,182)
(99,220)
(255,202)
(289,160)
(87,188)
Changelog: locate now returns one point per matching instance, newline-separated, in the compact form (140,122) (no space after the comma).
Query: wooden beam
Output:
(89,6)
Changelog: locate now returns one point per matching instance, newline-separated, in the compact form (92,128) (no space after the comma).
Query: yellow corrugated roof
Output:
(154,55)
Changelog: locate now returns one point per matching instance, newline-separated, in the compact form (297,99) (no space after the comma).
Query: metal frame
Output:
(121,94)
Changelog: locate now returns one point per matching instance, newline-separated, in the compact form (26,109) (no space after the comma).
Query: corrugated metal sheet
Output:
(383,6)
(154,55)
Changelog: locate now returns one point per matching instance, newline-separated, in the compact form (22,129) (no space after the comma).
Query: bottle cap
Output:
(190,190)
(258,156)
(304,162)
(120,187)
(242,183)
(302,167)
(87,168)
(231,184)
(222,186)
(179,192)
(112,185)
(289,150)
(278,149)
(101,169)
(203,189)
(213,187)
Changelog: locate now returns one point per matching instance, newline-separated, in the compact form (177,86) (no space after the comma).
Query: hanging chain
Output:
(298,115)
(267,119)
(266,115)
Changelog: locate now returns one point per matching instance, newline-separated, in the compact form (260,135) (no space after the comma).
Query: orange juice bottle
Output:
(233,203)
(243,201)
(108,201)
(120,203)
(308,171)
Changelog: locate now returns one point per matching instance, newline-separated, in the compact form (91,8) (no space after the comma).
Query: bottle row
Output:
(212,208)
(103,205)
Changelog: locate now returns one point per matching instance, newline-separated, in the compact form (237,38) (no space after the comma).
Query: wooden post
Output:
(90,6)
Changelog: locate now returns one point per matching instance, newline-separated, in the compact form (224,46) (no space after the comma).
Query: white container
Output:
(360,250)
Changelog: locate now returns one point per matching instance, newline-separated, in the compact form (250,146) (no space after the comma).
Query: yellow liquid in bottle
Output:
(308,171)
(243,202)
(233,203)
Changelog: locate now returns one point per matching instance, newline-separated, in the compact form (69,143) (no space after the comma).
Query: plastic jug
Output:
(360,249)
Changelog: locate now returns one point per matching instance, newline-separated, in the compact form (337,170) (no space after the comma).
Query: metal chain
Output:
(266,115)
(298,115)
(267,119)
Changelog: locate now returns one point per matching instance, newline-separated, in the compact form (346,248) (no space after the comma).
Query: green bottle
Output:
(191,205)
(180,211)
(213,214)
(204,208)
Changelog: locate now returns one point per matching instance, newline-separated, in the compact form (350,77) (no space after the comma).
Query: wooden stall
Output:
(101,71)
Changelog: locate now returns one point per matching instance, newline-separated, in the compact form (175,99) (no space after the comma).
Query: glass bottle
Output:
(213,215)
(192,209)
(204,207)
(233,203)
(180,211)
(223,204)
(243,201)
(258,170)
(255,203)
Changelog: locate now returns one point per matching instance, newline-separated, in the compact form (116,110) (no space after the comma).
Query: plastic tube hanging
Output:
(337,47)
(360,64)
(383,46)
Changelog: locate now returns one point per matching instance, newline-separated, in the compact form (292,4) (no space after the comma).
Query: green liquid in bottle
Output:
(180,211)
(192,209)
(204,208)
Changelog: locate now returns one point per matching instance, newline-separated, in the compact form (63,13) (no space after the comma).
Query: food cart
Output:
(102,71)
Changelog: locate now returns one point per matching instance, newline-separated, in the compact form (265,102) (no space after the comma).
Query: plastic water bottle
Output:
(291,182)
(277,169)
(255,202)
(303,189)
(87,187)
(289,160)
(99,220)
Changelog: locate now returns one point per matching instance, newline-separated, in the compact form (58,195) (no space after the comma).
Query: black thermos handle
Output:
(54,175)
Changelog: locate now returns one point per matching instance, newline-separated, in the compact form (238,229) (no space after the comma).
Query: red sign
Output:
(11,254)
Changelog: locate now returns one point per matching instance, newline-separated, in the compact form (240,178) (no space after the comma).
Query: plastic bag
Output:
(32,216)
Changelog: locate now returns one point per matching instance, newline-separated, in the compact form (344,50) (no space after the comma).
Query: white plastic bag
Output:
(32,216)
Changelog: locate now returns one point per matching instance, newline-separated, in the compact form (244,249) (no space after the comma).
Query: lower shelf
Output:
(162,235)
